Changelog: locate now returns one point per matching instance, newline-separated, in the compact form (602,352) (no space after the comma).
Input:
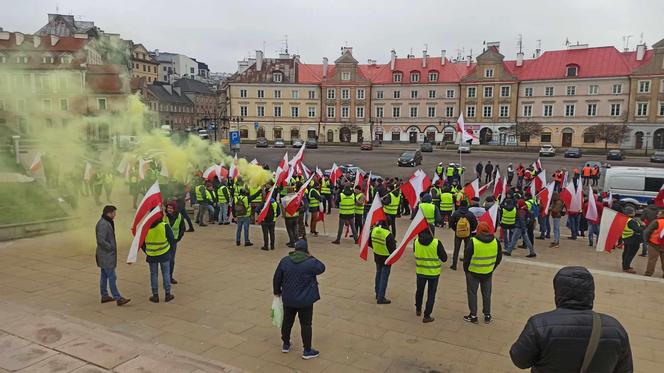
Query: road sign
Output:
(235,137)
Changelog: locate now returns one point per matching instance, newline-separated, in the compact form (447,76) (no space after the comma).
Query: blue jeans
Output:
(165,274)
(520,233)
(507,236)
(382,275)
(223,213)
(545,226)
(573,224)
(556,230)
(242,223)
(593,229)
(108,278)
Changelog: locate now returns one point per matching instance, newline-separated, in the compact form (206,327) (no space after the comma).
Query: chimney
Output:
(324,67)
(156,52)
(4,35)
(640,52)
(393,59)
(442,57)
(519,59)
(19,38)
(36,40)
(259,60)
(54,40)
(469,60)
(424,58)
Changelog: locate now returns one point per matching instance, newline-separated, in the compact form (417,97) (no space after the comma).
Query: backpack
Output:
(239,209)
(535,209)
(462,227)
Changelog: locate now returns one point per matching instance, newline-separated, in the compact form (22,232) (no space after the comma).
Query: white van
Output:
(634,185)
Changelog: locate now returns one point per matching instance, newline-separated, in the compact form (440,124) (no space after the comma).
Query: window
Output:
(449,111)
(431,111)
(243,93)
(548,111)
(276,77)
(65,59)
(486,111)
(360,94)
(47,59)
(545,136)
(191,71)
(359,112)
(3,59)
(345,94)
(311,111)
(488,91)
(101,103)
(660,112)
(260,111)
(592,110)
(593,89)
(414,77)
(432,93)
(433,77)
(397,94)
(243,111)
(644,86)
(571,90)
(615,110)
(396,112)
(661,85)
(653,184)
(295,111)
(21,59)
(331,112)
(569,110)
(572,70)
(396,78)
(528,92)
(46,104)
(471,92)
(345,75)
(312,95)
(244,133)
(331,93)
(488,73)
(345,112)
(379,112)
(588,137)
(277,111)
(277,93)
(548,91)
(379,94)
(504,111)
(470,111)
(64,104)
(260,93)
(505,91)
(616,89)
(527,110)
(641,109)
(413,94)
(413,111)
(295,93)
(449,93)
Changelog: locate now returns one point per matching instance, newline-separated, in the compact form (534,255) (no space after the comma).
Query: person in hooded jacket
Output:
(429,253)
(556,341)
(295,282)
(174,220)
(480,259)
(461,212)
(523,219)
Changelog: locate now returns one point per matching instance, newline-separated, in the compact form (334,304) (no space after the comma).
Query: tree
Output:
(609,133)
(524,130)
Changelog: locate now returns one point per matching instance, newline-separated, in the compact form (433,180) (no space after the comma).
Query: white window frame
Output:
(413,112)
(277,93)
(312,94)
(359,112)
(345,112)
(544,110)
(260,93)
(397,77)
(277,77)
(570,110)
(260,111)
(509,91)
(432,93)
(433,77)
(660,108)
(449,111)
(643,84)
(639,106)
(360,94)
(331,93)
(471,111)
(593,89)
(295,111)
(527,110)
(396,112)
(331,110)
(414,77)
(379,112)
(484,91)
(615,113)
(413,94)
(243,110)
(277,111)
(295,93)
(345,75)
(550,90)
(345,94)
(471,89)
(431,111)
(528,92)
(616,89)
(506,110)
(243,93)
(99,105)
(380,94)
(311,111)
(488,73)
(570,90)
(396,94)
(450,93)
(591,110)
(486,108)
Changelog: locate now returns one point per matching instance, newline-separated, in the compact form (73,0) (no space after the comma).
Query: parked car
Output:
(410,158)
(615,155)
(426,147)
(657,157)
(635,185)
(547,151)
(279,143)
(261,142)
(297,143)
(367,145)
(312,144)
(572,153)
(464,148)
(203,134)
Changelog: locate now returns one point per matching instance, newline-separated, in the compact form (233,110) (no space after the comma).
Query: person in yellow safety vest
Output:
(204,200)
(359,208)
(256,200)
(369,201)
(241,212)
(391,202)
(157,246)
(440,170)
(459,172)
(429,253)
(268,224)
(480,260)
(428,210)
(383,244)
(174,220)
(447,204)
(449,173)
(631,237)
(290,221)
(314,198)
(326,194)
(346,213)
(223,199)
(655,247)
(507,219)
(435,192)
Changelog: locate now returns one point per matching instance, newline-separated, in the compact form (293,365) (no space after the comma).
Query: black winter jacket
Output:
(556,341)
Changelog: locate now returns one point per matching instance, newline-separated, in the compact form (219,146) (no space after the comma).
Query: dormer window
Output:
(277,77)
(414,77)
(345,75)
(433,76)
(396,77)
(572,70)
(21,59)
(65,59)
(488,73)
(47,58)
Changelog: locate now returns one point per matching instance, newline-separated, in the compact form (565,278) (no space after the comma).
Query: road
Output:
(382,161)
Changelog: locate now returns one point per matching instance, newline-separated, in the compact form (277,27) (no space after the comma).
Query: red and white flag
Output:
(335,174)
(210,172)
(417,183)
(490,217)
(545,197)
(36,163)
(497,185)
(418,224)
(266,206)
(537,165)
(610,229)
(88,172)
(359,179)
(305,170)
(472,189)
(374,215)
(572,197)
(367,186)
(461,128)
(282,170)
(296,161)
(234,172)
(540,181)
(254,162)
(484,188)
(319,173)
(659,198)
(292,202)
(564,179)
(591,211)
(149,211)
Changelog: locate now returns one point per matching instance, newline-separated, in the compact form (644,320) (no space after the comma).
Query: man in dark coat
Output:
(107,256)
(556,341)
(295,282)
(488,172)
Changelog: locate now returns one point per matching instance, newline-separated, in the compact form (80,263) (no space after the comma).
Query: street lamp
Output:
(647,141)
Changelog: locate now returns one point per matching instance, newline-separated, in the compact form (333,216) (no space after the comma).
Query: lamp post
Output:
(647,141)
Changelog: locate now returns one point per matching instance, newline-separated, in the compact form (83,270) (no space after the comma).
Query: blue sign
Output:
(234,137)
(256,126)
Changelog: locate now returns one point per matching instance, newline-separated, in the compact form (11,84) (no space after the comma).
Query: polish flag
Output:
(234,172)
(472,189)
(335,174)
(319,173)
(610,229)
(292,202)
(305,170)
(564,179)
(222,172)
(359,179)
(435,179)
(540,180)
(149,211)
(210,172)
(296,162)
(374,215)
(88,172)
(417,183)
(537,165)
(609,199)
(490,216)
(282,170)
(254,162)
(418,224)
(36,163)
(288,178)
(484,188)
(367,187)
(591,211)
(461,128)
(545,198)
(497,184)
(571,196)
(659,199)
(266,206)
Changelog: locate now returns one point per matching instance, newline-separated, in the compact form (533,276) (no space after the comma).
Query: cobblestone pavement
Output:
(222,304)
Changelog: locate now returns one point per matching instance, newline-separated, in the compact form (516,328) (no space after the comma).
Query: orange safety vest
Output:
(586,171)
(654,237)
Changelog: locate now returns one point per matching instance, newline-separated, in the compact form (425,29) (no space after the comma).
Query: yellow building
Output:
(142,65)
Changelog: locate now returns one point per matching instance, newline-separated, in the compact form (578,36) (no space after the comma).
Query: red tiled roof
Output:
(64,44)
(630,59)
(592,62)
(309,73)
(104,79)
(447,73)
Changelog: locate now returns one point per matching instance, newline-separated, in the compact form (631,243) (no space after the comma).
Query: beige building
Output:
(142,65)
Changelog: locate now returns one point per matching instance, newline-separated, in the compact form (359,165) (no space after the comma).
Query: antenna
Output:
(426,46)
(264,46)
(285,44)
(641,39)
(567,42)
(625,39)
(519,43)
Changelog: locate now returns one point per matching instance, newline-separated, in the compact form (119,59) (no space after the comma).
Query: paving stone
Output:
(144,364)
(97,352)
(46,331)
(58,363)
(23,357)
(90,369)
(10,342)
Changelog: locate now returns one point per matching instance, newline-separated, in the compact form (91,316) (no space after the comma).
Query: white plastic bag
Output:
(277,312)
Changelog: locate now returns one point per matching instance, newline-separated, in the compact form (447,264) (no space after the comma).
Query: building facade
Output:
(174,66)
(143,65)
(172,107)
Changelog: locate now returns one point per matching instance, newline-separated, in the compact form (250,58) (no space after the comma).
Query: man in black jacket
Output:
(556,341)
(459,215)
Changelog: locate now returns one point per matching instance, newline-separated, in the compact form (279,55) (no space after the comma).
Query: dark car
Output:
(615,155)
(261,142)
(410,158)
(367,145)
(573,153)
(426,147)
(297,143)
(312,144)
(657,157)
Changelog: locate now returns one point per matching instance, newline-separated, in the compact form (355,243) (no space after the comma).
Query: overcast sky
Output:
(222,32)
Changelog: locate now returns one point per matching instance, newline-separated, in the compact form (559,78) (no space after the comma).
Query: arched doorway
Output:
(311,133)
(276,132)
(396,134)
(448,134)
(431,135)
(638,140)
(658,139)
(412,135)
(568,134)
(486,135)
(378,134)
(503,133)
(360,136)
(344,134)
(260,132)
(330,136)
(294,133)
